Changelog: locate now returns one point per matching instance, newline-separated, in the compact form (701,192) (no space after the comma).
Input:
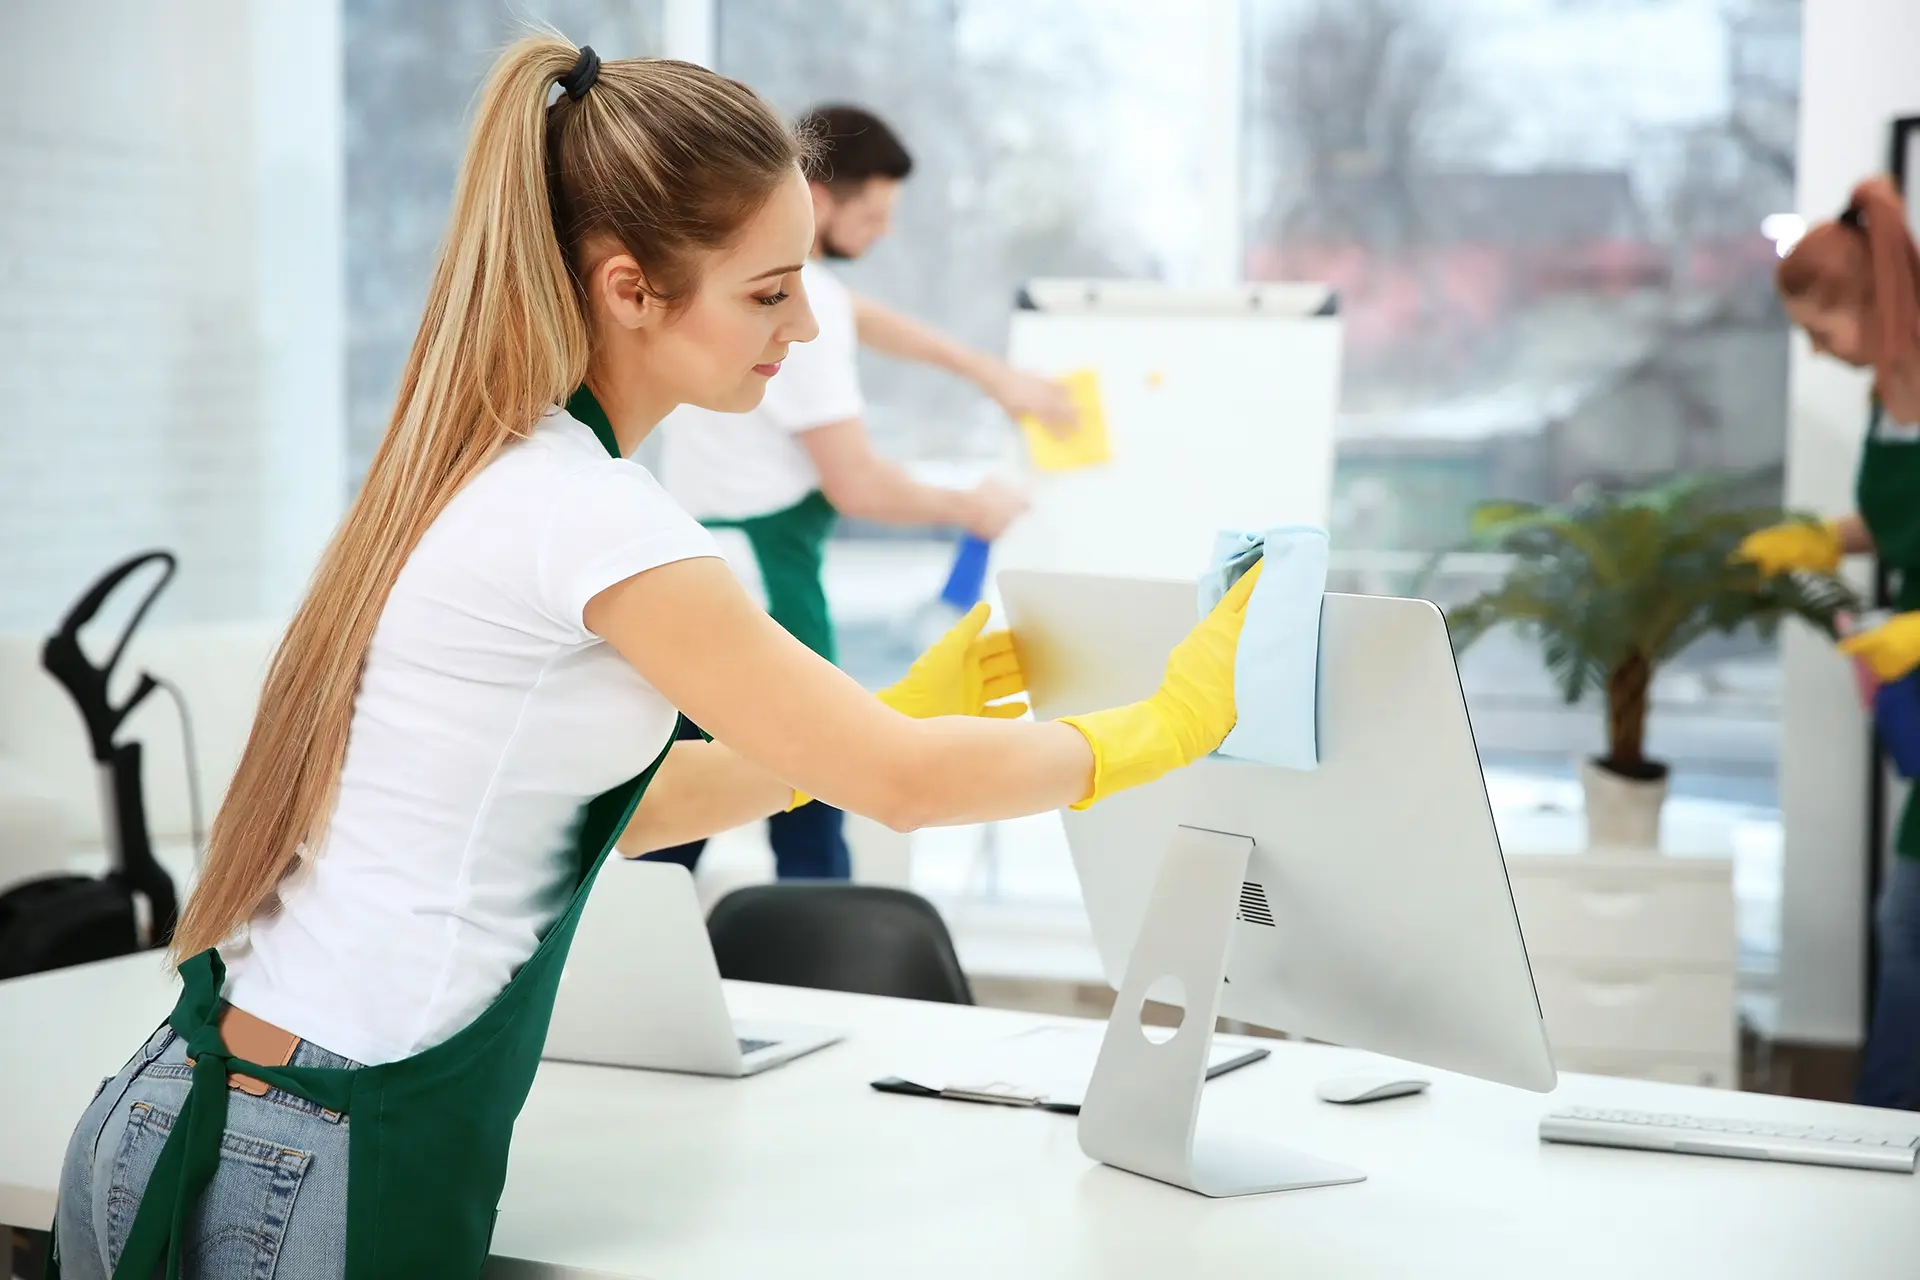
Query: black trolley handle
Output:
(68,663)
(156,903)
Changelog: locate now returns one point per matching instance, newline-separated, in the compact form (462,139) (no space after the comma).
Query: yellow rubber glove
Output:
(1187,717)
(1890,650)
(1796,546)
(964,673)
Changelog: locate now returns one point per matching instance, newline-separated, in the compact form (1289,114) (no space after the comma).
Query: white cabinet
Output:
(1634,957)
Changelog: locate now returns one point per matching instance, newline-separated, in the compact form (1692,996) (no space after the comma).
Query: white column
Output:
(687,30)
(299,162)
(1219,142)
(1861,69)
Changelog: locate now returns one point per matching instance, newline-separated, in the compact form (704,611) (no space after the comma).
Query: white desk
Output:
(804,1171)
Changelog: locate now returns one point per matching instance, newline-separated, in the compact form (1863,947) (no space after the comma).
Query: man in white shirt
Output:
(781,474)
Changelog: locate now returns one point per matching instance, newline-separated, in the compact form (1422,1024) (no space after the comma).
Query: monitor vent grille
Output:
(1253,905)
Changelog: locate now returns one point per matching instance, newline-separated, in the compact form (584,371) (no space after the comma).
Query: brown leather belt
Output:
(255,1040)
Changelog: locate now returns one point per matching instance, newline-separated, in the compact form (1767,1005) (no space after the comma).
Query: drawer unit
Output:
(1649,1008)
(1635,958)
(1594,911)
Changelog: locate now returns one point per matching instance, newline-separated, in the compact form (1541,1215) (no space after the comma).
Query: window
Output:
(1543,217)
(413,68)
(1049,137)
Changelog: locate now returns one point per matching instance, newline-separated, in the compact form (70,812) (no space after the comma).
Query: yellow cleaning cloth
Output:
(1087,445)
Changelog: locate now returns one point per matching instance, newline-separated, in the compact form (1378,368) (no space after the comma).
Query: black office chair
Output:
(838,937)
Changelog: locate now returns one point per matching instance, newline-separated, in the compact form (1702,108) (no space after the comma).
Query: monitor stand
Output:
(1143,1103)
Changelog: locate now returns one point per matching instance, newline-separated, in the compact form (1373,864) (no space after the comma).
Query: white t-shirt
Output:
(729,466)
(487,715)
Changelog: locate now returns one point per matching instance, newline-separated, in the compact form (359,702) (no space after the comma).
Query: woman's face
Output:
(720,348)
(1839,331)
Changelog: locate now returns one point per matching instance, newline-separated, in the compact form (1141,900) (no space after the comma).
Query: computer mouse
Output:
(1368,1088)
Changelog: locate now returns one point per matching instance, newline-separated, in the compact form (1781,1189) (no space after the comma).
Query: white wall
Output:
(299,188)
(1861,69)
(687,30)
(169,328)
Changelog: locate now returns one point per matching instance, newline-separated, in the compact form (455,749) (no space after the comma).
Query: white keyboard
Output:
(1740,1139)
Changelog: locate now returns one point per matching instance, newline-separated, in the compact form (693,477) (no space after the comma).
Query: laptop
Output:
(641,988)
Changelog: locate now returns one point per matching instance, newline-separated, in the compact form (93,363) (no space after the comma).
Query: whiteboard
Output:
(1216,422)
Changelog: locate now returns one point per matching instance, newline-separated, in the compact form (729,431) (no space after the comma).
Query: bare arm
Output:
(1017,392)
(901,336)
(861,483)
(690,629)
(702,789)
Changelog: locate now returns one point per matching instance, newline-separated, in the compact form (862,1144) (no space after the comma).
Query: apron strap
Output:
(191,1154)
(583,407)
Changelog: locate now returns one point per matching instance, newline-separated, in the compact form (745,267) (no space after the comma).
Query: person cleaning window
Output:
(1852,285)
(777,478)
(475,704)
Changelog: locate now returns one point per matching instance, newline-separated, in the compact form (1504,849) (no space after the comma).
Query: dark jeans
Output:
(807,844)
(1890,1068)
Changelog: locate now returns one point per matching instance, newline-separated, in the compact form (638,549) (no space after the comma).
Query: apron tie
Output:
(191,1154)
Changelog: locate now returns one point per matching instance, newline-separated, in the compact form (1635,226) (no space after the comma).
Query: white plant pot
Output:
(1622,813)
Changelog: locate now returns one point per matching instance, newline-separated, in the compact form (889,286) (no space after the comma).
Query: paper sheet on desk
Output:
(1047,1067)
(1087,445)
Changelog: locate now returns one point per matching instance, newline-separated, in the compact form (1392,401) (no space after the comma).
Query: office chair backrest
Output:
(838,937)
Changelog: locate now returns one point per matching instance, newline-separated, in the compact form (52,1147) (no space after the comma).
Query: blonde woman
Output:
(482,681)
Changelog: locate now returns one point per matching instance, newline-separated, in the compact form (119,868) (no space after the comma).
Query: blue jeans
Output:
(276,1208)
(1890,1067)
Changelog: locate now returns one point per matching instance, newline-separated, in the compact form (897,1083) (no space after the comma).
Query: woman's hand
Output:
(1796,546)
(1186,718)
(964,673)
(1891,650)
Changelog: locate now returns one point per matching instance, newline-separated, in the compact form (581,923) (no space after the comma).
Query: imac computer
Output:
(1364,903)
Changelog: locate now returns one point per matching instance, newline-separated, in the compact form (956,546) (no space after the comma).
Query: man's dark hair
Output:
(852,145)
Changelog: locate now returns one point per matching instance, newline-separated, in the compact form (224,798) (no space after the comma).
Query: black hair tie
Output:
(586,70)
(1852,216)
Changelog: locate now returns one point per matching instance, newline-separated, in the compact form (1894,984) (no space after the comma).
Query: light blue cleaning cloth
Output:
(1276,673)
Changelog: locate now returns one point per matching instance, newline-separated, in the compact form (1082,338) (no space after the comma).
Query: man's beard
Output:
(833,252)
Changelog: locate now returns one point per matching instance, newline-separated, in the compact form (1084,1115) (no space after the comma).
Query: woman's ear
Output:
(617,291)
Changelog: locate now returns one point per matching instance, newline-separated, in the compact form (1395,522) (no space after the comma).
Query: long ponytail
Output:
(1895,265)
(664,156)
(1865,259)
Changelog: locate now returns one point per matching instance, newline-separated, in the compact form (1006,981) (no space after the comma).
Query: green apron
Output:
(791,548)
(428,1136)
(1888,497)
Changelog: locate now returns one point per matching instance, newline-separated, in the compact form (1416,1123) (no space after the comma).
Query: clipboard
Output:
(1046,1068)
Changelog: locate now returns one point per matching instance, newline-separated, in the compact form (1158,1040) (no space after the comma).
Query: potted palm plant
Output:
(1614,584)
